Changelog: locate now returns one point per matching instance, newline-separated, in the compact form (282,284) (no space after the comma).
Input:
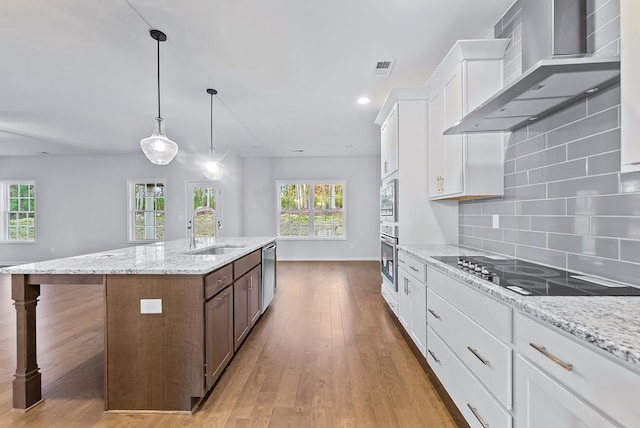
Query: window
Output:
(146,210)
(203,194)
(313,210)
(18,206)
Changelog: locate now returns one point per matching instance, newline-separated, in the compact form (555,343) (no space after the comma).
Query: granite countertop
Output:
(169,258)
(610,323)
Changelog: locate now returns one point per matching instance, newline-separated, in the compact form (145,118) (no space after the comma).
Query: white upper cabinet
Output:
(389,144)
(630,84)
(465,166)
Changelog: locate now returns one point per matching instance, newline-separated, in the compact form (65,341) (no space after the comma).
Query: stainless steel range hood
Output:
(558,72)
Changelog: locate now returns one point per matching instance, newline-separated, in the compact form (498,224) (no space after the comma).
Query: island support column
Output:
(27,383)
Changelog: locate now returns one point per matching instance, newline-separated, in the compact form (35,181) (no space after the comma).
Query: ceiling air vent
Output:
(383,68)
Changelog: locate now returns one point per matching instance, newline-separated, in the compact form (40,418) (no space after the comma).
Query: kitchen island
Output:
(174,317)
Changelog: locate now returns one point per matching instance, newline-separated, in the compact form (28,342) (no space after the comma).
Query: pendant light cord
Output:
(159,116)
(211,147)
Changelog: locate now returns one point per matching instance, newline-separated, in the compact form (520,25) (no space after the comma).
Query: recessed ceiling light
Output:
(297,150)
(363,100)
(348,146)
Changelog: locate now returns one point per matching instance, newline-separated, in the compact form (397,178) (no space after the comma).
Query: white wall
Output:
(81,201)
(362,175)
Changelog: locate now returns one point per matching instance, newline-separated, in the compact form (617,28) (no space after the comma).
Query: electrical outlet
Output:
(150,306)
(496,221)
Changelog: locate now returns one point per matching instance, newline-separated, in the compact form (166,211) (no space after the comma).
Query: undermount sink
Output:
(217,250)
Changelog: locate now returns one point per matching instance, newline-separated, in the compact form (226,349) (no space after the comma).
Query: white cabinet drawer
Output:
(489,313)
(483,354)
(474,402)
(391,301)
(541,402)
(413,266)
(608,386)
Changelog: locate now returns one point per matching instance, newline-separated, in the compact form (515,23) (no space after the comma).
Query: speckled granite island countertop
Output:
(168,258)
(610,323)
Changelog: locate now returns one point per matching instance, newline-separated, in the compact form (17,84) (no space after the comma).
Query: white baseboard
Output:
(327,259)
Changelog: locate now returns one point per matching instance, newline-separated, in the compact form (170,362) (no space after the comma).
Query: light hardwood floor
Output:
(325,354)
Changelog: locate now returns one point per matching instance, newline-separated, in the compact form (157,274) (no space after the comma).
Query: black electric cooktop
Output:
(531,279)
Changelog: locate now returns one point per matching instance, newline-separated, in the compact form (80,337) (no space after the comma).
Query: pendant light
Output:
(159,149)
(212,169)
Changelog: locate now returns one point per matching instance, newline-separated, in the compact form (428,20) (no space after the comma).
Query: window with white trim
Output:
(204,194)
(146,210)
(18,207)
(311,209)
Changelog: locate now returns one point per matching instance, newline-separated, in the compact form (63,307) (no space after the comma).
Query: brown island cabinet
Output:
(166,361)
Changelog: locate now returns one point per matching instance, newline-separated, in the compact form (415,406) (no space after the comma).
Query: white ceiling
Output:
(79,77)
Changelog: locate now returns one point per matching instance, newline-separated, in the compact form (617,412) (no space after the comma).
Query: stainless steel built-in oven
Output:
(389,254)
(388,201)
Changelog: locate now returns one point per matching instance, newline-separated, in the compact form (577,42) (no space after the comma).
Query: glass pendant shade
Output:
(213,169)
(158,148)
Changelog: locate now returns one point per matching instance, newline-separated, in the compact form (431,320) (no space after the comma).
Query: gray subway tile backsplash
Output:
(488,233)
(542,255)
(562,171)
(536,191)
(542,158)
(619,227)
(519,148)
(542,207)
(603,164)
(605,35)
(499,247)
(572,206)
(507,208)
(557,120)
(609,205)
(595,144)
(606,99)
(630,251)
(517,179)
(600,185)
(515,222)
(524,237)
(599,122)
(561,224)
(589,245)
(613,269)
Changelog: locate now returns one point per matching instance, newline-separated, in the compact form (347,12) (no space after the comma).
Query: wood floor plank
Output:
(326,353)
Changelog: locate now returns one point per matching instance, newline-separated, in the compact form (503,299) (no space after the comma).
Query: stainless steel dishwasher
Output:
(268,274)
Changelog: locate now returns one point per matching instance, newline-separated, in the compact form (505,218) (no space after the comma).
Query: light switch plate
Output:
(150,306)
(496,221)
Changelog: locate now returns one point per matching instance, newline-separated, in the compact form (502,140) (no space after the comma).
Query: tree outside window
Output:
(311,210)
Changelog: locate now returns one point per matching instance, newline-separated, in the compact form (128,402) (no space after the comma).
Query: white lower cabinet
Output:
(542,402)
(412,308)
(586,386)
(389,297)
(477,406)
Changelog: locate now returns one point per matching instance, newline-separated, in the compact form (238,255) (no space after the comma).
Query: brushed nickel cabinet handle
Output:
(251,283)
(475,413)
(401,261)
(475,352)
(413,269)
(434,314)
(558,361)
(433,356)
(223,279)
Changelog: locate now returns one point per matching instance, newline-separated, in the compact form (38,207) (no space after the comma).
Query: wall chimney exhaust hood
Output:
(558,71)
